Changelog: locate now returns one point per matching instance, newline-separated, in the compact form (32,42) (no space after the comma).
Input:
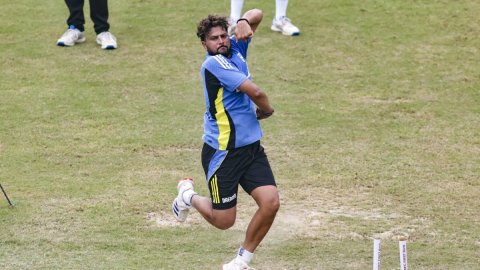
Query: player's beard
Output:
(224,52)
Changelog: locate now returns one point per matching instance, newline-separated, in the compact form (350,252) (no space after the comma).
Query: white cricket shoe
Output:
(71,37)
(180,208)
(285,26)
(107,40)
(236,264)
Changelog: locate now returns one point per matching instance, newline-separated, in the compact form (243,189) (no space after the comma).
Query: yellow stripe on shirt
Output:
(222,122)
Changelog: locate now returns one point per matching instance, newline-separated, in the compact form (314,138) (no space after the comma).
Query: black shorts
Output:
(226,169)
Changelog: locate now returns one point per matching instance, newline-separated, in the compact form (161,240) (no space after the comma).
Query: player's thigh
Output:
(223,170)
(225,218)
(259,173)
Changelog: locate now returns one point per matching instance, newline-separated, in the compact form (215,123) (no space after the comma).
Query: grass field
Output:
(376,134)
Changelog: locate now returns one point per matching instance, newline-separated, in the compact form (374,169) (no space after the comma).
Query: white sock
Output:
(280,9)
(187,196)
(236,9)
(244,255)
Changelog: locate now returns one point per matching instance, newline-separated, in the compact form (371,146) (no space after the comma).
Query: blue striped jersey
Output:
(230,119)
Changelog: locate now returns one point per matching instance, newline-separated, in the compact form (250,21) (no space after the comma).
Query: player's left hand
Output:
(262,115)
(243,31)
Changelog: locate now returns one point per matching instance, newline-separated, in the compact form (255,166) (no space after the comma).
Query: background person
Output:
(281,23)
(76,22)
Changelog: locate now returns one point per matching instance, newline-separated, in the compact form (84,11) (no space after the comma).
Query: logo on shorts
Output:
(229,199)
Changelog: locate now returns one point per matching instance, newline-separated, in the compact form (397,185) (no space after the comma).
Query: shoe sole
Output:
(63,44)
(108,47)
(274,28)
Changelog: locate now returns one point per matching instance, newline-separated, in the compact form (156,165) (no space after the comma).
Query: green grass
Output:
(376,133)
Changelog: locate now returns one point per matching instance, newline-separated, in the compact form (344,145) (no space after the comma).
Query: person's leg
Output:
(268,203)
(221,219)
(187,197)
(222,173)
(222,170)
(235,10)
(259,182)
(281,23)
(235,14)
(75,22)
(76,17)
(99,15)
(280,9)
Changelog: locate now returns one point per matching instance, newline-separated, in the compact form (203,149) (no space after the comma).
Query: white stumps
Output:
(376,254)
(402,245)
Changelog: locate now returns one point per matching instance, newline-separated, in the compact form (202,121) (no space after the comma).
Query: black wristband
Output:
(243,19)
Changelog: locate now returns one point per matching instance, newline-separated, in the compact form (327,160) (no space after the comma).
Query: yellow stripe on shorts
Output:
(214,185)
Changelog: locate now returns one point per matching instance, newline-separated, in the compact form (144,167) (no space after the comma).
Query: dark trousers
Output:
(98,14)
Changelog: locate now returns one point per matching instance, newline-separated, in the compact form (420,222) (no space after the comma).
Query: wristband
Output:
(243,19)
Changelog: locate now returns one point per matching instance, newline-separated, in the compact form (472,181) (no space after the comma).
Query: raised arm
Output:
(247,25)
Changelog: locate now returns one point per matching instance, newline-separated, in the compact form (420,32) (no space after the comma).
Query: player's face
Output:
(217,41)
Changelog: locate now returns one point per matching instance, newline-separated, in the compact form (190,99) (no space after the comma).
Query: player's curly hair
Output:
(205,25)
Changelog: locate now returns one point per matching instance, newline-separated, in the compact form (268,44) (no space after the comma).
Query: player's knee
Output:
(271,205)
(275,204)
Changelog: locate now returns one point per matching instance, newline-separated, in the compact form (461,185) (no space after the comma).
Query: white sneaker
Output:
(71,37)
(285,26)
(180,208)
(236,264)
(107,40)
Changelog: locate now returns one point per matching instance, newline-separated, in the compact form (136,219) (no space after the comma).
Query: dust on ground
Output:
(310,219)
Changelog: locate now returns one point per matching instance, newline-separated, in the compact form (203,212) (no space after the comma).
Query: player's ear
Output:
(204,44)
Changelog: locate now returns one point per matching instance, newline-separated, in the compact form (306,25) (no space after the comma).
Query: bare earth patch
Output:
(295,221)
